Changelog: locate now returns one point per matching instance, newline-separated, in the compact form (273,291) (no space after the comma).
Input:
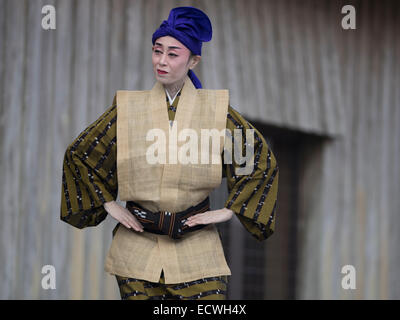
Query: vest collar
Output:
(186,104)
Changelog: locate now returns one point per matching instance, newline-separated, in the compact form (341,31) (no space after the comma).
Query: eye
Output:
(173,55)
(157,51)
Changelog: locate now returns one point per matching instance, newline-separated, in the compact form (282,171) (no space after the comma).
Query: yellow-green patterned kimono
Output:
(89,177)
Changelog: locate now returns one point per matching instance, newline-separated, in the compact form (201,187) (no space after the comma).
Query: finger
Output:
(134,226)
(138,228)
(137,225)
(190,224)
(194,218)
(193,222)
(125,223)
(133,222)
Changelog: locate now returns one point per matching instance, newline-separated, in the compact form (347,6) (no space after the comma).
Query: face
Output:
(171,60)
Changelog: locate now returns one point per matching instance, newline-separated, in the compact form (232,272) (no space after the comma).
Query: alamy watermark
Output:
(49,20)
(349,20)
(49,278)
(192,152)
(349,280)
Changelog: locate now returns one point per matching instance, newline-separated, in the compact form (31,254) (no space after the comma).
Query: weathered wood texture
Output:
(352,216)
(287,63)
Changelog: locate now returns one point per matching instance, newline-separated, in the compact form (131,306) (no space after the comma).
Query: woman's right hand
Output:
(123,215)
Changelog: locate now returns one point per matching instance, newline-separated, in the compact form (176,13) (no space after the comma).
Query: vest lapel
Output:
(159,107)
(184,111)
(183,118)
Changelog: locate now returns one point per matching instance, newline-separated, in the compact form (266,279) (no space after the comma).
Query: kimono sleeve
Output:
(89,172)
(253,194)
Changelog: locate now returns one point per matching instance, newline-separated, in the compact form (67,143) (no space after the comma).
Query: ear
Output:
(194,60)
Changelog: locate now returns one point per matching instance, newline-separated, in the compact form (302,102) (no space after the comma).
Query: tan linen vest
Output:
(167,186)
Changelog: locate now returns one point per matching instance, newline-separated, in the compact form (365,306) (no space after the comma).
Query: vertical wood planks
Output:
(287,63)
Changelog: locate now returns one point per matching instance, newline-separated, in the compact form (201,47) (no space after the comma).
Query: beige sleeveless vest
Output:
(170,186)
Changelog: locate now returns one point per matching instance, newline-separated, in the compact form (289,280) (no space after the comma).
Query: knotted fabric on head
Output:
(190,26)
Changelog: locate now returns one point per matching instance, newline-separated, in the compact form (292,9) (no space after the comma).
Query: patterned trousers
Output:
(213,288)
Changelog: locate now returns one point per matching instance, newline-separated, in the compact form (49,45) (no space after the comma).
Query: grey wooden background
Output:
(287,63)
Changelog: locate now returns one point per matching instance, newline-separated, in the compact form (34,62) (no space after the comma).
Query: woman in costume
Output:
(166,244)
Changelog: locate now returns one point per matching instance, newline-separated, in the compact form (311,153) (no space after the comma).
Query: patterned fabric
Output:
(170,223)
(89,176)
(172,107)
(212,288)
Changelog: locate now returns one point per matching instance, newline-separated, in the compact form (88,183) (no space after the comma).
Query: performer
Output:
(166,244)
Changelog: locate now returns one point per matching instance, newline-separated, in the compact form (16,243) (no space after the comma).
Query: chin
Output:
(163,80)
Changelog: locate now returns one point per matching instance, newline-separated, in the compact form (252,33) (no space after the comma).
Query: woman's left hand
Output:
(208,217)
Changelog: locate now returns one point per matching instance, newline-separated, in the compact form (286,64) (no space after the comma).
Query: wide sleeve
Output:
(89,172)
(253,194)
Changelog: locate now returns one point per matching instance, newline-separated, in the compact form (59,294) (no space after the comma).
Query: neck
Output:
(174,87)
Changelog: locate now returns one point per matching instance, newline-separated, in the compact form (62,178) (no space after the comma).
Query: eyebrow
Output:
(170,47)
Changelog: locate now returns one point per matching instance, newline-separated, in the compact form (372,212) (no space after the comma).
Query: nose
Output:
(162,60)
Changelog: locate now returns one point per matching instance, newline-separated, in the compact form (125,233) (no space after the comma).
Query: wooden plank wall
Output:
(286,63)
(351,211)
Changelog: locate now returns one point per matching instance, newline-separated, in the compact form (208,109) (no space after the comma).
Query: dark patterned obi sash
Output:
(168,223)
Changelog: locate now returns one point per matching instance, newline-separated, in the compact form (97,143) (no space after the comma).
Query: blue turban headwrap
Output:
(190,26)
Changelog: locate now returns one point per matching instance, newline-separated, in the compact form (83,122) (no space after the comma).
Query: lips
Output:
(161,71)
